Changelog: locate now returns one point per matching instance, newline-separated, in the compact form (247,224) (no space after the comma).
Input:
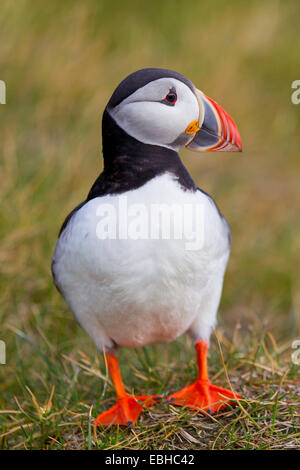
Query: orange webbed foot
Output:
(204,397)
(126,411)
(128,408)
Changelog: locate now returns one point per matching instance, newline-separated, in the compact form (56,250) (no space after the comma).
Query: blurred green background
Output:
(61,61)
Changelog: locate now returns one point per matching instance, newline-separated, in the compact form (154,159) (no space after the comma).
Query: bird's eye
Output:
(171,98)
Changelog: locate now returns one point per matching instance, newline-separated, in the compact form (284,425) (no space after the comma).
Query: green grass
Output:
(54,406)
(61,62)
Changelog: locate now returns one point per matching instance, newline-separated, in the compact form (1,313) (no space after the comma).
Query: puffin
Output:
(142,259)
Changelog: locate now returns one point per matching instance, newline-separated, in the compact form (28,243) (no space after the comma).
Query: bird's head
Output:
(162,107)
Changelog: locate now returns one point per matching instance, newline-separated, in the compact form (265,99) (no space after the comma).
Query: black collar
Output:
(129,164)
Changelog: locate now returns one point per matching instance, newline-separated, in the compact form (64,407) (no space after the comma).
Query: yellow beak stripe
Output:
(192,128)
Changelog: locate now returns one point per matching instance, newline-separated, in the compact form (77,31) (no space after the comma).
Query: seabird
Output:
(142,259)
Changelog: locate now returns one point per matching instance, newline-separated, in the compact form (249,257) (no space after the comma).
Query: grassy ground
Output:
(61,61)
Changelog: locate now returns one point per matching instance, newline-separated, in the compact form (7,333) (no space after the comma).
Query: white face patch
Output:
(144,115)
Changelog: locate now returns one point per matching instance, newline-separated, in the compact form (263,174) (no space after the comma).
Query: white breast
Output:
(139,291)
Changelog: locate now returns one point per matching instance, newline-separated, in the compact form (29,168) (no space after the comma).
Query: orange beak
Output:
(218,132)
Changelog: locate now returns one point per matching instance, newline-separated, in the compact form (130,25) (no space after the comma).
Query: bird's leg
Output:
(202,395)
(127,409)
